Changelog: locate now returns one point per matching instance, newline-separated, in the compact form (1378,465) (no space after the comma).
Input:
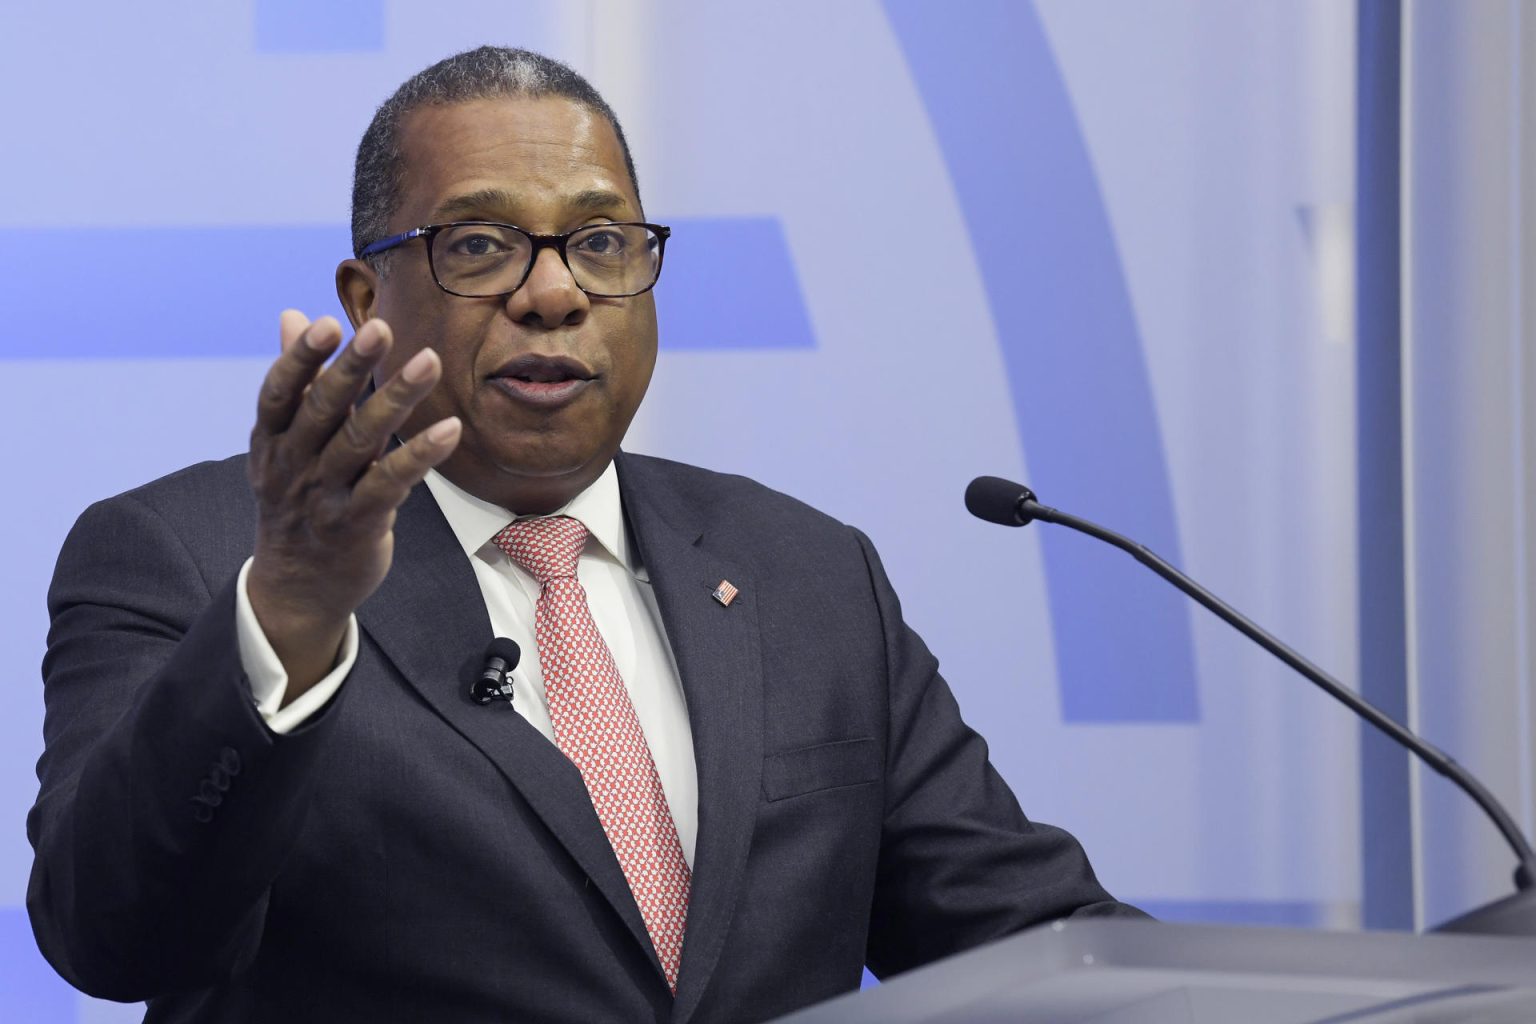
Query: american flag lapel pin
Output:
(725,593)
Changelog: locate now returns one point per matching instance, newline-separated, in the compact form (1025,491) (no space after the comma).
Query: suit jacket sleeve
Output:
(165,807)
(959,864)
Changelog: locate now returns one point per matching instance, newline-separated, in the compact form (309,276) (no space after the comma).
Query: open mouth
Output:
(543,380)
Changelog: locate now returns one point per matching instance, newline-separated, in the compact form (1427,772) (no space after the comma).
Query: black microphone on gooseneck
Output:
(1009,504)
(495,682)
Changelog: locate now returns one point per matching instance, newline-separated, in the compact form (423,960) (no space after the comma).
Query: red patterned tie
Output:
(595,726)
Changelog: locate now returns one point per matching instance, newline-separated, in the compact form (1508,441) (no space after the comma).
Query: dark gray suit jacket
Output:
(410,856)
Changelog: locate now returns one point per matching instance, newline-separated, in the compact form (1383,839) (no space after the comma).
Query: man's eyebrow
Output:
(596,200)
(478,203)
(499,202)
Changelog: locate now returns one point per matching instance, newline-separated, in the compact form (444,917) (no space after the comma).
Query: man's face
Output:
(547,379)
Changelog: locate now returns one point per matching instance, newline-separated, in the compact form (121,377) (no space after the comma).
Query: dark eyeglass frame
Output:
(540,243)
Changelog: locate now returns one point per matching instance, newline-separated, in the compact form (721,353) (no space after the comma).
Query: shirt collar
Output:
(475,521)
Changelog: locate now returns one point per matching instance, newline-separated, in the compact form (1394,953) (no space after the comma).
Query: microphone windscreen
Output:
(996,500)
(505,649)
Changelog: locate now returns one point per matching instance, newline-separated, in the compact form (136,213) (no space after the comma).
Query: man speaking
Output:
(728,775)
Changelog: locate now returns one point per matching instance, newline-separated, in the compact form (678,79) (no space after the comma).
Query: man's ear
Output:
(357,286)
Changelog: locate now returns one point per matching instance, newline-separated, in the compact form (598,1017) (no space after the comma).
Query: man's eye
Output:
(478,245)
(603,243)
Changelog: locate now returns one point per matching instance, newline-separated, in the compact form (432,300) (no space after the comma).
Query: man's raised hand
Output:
(327,486)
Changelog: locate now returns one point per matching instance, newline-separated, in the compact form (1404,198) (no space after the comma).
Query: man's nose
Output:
(549,297)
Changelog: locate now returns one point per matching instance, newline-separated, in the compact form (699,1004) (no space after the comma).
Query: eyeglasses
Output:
(482,259)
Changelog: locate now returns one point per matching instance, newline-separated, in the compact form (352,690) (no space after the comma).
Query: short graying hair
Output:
(484,73)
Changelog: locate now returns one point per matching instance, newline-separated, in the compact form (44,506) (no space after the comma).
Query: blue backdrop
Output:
(1093,246)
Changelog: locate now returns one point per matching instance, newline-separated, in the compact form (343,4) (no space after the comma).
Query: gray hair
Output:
(484,73)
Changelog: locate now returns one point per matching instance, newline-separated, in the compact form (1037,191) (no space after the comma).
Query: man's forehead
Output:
(527,114)
(504,151)
(475,128)
(494,201)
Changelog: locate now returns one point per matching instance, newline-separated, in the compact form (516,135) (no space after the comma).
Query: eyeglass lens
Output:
(491,259)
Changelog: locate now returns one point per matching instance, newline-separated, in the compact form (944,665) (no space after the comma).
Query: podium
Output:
(1109,971)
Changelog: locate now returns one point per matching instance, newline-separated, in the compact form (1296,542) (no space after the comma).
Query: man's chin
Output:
(551,472)
(533,475)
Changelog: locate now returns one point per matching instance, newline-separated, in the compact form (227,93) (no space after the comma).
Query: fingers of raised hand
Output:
(290,325)
(328,402)
(386,483)
(364,434)
(306,346)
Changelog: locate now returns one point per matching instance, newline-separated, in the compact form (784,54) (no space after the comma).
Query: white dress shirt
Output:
(622,604)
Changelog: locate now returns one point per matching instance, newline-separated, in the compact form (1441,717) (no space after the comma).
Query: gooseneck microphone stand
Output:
(1011,504)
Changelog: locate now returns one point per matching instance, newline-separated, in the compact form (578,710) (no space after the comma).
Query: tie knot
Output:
(547,546)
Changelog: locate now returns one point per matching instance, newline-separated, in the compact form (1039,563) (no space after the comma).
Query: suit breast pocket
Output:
(824,766)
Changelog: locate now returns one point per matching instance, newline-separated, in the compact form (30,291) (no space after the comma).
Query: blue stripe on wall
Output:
(308,26)
(157,292)
(1082,397)
(29,989)
(1386,833)
(727,283)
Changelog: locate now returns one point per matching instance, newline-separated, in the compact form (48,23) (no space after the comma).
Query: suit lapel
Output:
(717,652)
(429,619)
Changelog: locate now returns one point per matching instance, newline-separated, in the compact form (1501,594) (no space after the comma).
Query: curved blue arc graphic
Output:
(1082,397)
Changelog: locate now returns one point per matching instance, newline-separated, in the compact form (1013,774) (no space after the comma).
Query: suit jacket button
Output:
(229,758)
